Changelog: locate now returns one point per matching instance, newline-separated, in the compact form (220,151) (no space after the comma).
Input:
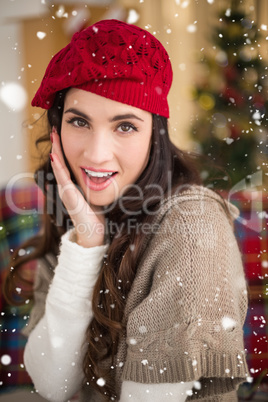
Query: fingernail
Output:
(51,157)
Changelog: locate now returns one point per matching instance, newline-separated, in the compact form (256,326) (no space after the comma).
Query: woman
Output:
(140,292)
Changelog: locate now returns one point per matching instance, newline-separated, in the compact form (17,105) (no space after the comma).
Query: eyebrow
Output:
(115,118)
(125,116)
(76,111)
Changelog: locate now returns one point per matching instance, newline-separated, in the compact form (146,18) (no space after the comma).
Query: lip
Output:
(97,186)
(97,170)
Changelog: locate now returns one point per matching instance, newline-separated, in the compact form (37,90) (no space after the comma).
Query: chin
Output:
(101,201)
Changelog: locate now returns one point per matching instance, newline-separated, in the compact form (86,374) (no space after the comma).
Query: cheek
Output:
(69,147)
(137,156)
(66,139)
(65,144)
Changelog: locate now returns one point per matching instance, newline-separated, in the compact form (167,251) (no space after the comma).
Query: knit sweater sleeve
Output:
(54,352)
(187,323)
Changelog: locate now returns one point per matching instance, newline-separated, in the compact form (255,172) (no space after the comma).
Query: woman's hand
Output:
(89,225)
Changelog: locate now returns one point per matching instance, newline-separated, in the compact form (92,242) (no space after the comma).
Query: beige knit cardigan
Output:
(187,305)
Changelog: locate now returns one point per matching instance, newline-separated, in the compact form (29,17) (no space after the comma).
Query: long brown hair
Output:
(166,163)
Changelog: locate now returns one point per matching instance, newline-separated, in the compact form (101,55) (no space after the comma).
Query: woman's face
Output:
(106,143)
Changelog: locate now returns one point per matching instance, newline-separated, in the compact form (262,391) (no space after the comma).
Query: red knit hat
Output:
(113,59)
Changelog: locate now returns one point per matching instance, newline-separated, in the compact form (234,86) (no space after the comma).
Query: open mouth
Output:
(99,177)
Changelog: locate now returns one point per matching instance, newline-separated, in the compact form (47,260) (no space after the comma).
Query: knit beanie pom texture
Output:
(113,59)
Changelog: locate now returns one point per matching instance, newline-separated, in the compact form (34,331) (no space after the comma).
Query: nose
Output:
(98,149)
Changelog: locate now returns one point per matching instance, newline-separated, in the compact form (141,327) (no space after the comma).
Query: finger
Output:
(60,170)
(56,146)
(69,194)
(89,226)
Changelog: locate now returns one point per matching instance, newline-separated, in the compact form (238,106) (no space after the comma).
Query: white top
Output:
(55,349)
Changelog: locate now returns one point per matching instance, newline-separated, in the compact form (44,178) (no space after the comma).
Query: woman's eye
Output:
(78,122)
(127,128)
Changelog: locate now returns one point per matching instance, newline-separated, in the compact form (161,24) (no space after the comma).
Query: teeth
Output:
(98,174)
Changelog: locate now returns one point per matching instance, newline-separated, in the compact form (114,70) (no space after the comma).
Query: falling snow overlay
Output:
(180,23)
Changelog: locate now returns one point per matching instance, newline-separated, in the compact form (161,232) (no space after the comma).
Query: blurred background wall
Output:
(32,31)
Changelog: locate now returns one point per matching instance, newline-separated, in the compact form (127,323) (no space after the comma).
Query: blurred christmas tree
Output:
(232,98)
